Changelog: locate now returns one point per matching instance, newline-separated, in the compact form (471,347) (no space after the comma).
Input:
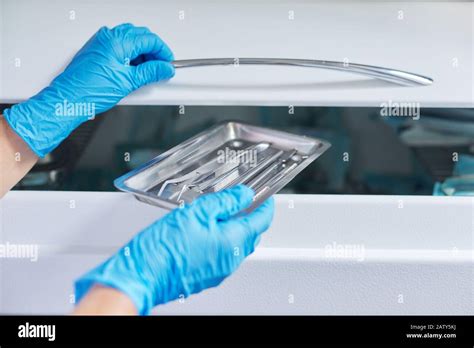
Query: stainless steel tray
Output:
(223,156)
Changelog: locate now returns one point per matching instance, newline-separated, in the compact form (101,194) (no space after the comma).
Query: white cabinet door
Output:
(39,37)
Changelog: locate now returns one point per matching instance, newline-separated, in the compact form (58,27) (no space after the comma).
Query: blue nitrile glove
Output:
(190,249)
(113,63)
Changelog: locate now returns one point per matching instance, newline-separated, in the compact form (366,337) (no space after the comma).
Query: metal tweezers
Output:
(211,174)
(392,75)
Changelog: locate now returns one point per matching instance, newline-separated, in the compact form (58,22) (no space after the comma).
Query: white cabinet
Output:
(322,255)
(429,38)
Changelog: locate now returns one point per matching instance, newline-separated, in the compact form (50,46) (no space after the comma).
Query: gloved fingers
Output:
(119,31)
(122,26)
(139,41)
(246,230)
(152,71)
(146,44)
(130,28)
(222,205)
(139,30)
(261,218)
(257,241)
(143,57)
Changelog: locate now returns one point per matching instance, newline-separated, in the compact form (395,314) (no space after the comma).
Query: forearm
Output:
(16,158)
(102,300)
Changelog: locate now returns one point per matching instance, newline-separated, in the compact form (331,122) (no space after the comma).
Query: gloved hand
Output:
(113,63)
(190,249)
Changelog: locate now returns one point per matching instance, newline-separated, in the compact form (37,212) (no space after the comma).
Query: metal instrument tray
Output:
(223,156)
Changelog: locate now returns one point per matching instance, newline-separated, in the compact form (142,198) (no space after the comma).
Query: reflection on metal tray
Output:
(228,154)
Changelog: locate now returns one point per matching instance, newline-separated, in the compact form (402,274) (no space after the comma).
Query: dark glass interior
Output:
(370,153)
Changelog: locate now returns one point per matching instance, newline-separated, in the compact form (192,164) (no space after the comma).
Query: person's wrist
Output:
(142,279)
(161,270)
(44,111)
(14,120)
(124,282)
(102,300)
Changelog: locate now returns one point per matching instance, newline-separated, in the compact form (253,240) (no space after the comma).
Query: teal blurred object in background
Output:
(462,181)
(464,166)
